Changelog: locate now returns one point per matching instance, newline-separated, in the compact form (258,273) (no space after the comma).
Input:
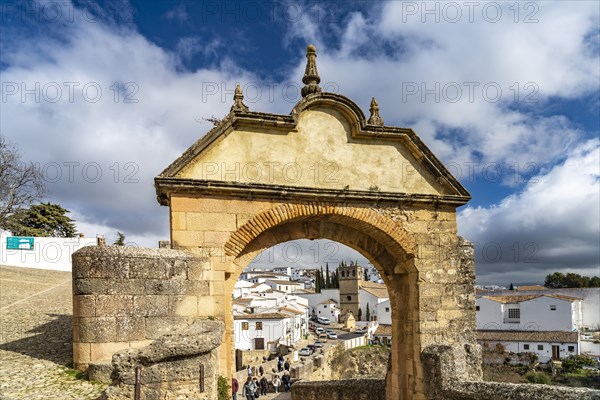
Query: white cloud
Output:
(552,224)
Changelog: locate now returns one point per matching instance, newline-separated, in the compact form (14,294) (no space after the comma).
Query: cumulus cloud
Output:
(552,224)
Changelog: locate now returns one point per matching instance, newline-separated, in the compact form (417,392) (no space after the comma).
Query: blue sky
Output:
(103,95)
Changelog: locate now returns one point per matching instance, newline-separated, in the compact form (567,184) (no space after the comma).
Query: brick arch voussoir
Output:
(283,213)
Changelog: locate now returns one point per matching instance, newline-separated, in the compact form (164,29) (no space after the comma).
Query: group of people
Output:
(253,388)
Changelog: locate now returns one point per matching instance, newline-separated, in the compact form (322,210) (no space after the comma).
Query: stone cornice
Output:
(167,186)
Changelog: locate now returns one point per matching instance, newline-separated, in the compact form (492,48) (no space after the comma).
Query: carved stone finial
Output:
(238,100)
(375,119)
(311,76)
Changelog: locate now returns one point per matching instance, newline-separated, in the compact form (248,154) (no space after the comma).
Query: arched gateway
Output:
(325,171)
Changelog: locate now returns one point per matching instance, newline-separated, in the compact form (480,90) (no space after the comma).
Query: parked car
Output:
(332,335)
(311,347)
(323,320)
(318,343)
(323,337)
(361,329)
(305,351)
(319,330)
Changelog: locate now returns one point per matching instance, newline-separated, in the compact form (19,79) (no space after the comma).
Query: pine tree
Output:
(317,283)
(327,276)
(48,220)
(120,239)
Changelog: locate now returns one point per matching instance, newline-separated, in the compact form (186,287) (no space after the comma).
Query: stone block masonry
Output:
(125,297)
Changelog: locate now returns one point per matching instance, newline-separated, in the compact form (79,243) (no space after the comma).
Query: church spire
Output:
(238,100)
(311,76)
(375,119)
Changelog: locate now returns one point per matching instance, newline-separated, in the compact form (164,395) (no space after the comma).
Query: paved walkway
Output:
(35,337)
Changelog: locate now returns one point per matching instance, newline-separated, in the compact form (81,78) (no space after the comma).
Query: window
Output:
(552,308)
(540,347)
(244,326)
(476,308)
(514,313)
(349,298)
(387,309)
(258,326)
(525,347)
(571,349)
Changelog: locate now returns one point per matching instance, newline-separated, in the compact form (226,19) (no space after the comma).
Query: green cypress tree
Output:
(327,276)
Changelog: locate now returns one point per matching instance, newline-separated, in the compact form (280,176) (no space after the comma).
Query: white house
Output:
(242,288)
(259,331)
(282,271)
(314,299)
(371,294)
(547,345)
(297,273)
(384,313)
(328,309)
(590,296)
(284,286)
(546,312)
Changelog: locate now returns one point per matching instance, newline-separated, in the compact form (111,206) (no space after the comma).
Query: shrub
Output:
(223,388)
(576,363)
(537,378)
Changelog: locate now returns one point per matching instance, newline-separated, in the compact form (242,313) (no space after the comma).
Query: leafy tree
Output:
(368,313)
(558,280)
(21,184)
(327,276)
(44,219)
(120,239)
(555,280)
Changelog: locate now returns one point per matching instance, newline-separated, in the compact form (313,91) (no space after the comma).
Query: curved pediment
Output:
(323,147)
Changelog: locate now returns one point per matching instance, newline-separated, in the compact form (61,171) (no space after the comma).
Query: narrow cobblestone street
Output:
(35,337)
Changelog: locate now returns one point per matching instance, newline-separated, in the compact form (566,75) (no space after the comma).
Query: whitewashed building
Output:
(548,345)
(260,331)
(371,294)
(328,309)
(242,288)
(529,312)
(284,286)
(384,313)
(282,271)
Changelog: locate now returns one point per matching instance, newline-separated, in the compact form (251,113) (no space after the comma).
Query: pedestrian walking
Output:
(256,387)
(249,371)
(285,379)
(286,366)
(249,389)
(235,386)
(261,370)
(276,383)
(263,386)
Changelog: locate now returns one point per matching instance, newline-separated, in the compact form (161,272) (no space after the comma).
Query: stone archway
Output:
(325,171)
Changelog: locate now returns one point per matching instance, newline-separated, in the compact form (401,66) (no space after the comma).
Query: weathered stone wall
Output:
(180,365)
(125,297)
(356,389)
(450,376)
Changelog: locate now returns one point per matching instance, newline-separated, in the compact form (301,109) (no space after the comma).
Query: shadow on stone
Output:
(51,341)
